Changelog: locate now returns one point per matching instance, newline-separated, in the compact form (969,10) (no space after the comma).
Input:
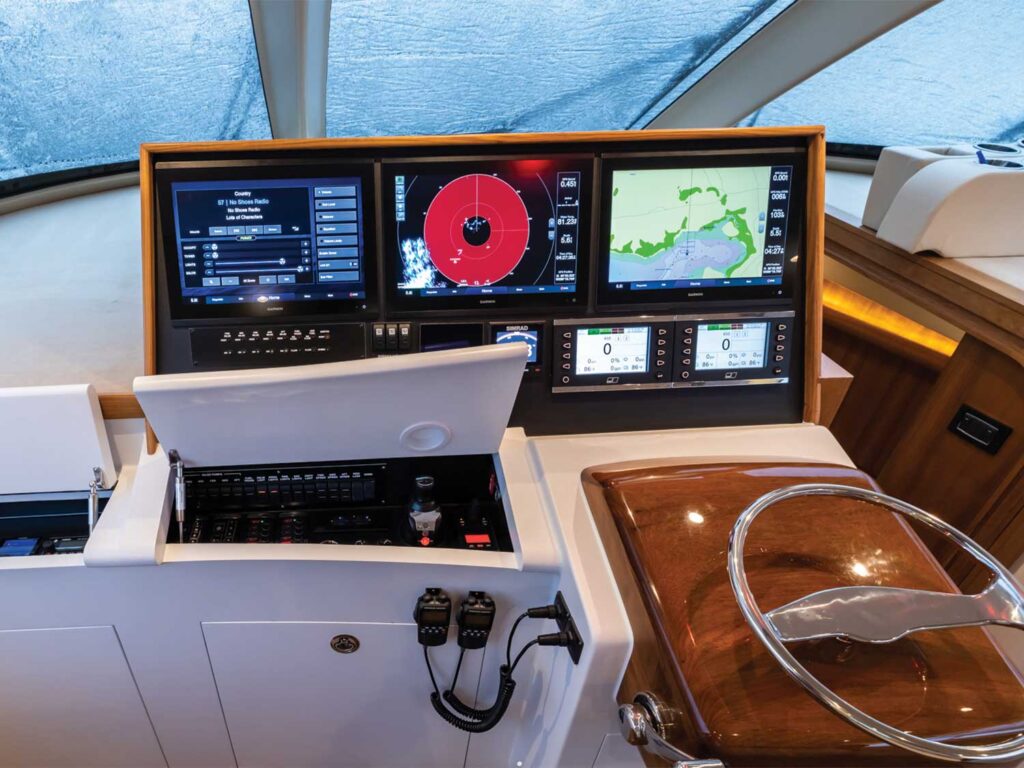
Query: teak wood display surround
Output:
(811,249)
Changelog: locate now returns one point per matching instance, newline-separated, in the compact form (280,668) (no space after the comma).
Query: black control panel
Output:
(672,353)
(361,503)
(656,286)
(268,346)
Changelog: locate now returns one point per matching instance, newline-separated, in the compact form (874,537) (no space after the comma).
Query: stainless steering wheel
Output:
(877,615)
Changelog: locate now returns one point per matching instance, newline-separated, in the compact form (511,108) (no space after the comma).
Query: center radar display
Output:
(487,233)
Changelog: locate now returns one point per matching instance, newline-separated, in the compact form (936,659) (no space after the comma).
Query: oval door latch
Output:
(345,643)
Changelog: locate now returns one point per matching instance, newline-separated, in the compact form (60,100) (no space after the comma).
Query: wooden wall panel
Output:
(969,488)
(886,394)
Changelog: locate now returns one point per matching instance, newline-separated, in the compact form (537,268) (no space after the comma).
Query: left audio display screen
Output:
(265,247)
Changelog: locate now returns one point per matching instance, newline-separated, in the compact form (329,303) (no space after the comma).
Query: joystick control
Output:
(424,513)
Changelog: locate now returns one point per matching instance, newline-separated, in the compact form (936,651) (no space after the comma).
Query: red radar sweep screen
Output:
(477,233)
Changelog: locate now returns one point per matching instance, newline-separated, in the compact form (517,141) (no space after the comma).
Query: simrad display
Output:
(249,241)
(729,345)
(674,231)
(506,233)
(528,333)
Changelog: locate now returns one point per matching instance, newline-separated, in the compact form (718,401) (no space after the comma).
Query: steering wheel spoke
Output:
(877,615)
(885,614)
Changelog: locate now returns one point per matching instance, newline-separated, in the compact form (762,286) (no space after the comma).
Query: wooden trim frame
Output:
(487,139)
(813,251)
(814,275)
(120,406)
(148,273)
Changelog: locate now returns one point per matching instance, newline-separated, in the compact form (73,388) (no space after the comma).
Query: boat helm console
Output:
(401,389)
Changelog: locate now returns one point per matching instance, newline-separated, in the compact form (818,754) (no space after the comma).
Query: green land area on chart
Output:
(688,223)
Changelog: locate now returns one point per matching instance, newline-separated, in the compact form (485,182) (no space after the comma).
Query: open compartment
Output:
(365,502)
(286,455)
(57,524)
(56,469)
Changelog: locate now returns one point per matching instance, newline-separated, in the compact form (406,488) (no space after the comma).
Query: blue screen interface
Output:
(527,333)
(270,241)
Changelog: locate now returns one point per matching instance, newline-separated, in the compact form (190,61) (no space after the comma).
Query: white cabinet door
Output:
(67,698)
(291,701)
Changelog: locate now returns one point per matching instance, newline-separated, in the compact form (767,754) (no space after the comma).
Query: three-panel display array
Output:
(558,232)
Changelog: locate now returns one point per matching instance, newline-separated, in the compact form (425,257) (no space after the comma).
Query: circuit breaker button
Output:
(379,338)
(404,337)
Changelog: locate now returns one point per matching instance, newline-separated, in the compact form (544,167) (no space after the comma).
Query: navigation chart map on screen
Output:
(698,226)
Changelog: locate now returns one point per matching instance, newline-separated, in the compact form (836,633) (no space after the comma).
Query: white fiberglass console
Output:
(359,533)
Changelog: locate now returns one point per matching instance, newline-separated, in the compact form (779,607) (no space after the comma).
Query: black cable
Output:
(455,680)
(492,716)
(464,709)
(525,648)
(430,669)
(480,714)
(475,720)
(508,647)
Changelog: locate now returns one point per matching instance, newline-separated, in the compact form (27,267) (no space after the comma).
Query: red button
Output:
(478,538)
(425,541)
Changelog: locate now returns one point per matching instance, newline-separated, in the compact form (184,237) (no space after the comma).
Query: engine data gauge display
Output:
(729,345)
(500,232)
(612,350)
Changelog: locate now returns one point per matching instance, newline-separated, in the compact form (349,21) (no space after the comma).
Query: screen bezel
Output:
(412,306)
(165,174)
(608,298)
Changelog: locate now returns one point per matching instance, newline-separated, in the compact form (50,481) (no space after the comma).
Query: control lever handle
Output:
(179,492)
(94,497)
(424,512)
(641,724)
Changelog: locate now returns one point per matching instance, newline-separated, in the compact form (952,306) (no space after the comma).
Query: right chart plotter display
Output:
(676,230)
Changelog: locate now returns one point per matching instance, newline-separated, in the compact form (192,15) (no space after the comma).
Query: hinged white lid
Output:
(52,437)
(436,403)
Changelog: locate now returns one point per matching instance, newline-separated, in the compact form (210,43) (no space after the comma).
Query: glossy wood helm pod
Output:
(666,530)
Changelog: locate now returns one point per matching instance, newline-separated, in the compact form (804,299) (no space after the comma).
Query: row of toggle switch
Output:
(392,337)
(230,490)
(260,528)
